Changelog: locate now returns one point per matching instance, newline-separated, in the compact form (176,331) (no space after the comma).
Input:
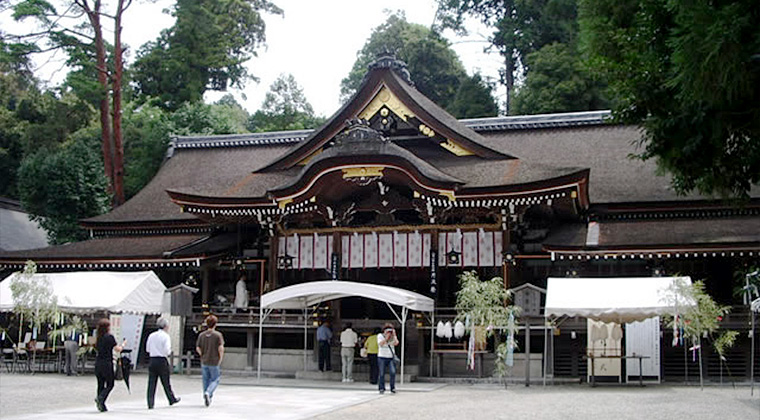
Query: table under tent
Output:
(128,296)
(608,304)
(311,294)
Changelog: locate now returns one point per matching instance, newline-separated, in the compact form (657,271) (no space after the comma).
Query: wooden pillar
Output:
(273,245)
(205,283)
(251,347)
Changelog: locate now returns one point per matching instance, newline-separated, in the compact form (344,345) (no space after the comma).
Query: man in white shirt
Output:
(159,347)
(348,340)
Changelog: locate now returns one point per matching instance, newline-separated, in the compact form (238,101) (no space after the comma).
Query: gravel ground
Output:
(562,402)
(55,396)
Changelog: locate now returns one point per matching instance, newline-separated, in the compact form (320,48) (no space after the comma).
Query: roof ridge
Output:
(500,123)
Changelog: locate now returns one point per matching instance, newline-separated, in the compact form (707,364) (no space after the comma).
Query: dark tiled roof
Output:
(482,125)
(237,140)
(202,171)
(615,177)
(697,233)
(487,173)
(105,248)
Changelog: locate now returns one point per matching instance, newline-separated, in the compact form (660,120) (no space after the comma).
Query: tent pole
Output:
(546,362)
(258,354)
(305,338)
(404,311)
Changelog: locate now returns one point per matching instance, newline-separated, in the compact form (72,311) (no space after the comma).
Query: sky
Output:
(316,41)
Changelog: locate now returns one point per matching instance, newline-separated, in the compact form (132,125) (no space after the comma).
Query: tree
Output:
(483,305)
(689,74)
(697,315)
(285,107)
(520,28)
(559,81)
(85,44)
(434,67)
(473,99)
(205,49)
(61,185)
(33,297)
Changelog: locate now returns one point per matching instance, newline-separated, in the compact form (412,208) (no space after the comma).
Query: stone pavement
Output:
(42,396)
(45,396)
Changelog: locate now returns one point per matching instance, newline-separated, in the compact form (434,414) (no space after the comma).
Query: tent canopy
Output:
(139,292)
(625,299)
(303,295)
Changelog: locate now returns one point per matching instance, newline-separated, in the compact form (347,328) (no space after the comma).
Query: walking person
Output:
(159,347)
(370,344)
(386,341)
(71,347)
(105,346)
(348,340)
(324,335)
(210,346)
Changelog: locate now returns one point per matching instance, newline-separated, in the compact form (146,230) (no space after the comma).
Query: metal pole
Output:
(432,340)
(752,358)
(305,338)
(258,355)
(545,348)
(404,311)
(527,351)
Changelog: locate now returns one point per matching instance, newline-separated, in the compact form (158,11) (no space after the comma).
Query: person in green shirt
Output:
(371,345)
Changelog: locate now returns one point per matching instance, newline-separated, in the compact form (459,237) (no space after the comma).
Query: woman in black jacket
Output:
(105,345)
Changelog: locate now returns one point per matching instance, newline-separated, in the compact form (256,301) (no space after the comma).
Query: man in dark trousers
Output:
(159,347)
(210,345)
(324,335)
(71,346)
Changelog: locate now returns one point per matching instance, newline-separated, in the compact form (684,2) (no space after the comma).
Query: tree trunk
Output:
(509,80)
(93,14)
(118,151)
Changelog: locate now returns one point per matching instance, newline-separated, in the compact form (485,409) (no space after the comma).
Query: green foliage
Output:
(60,185)
(33,297)
(520,27)
(698,314)
(147,131)
(724,341)
(483,303)
(205,49)
(558,81)
(689,74)
(434,67)
(473,99)
(205,119)
(72,324)
(285,107)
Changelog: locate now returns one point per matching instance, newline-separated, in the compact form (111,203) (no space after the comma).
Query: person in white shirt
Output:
(386,341)
(159,347)
(241,294)
(348,340)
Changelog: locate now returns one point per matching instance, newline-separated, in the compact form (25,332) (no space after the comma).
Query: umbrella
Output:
(125,366)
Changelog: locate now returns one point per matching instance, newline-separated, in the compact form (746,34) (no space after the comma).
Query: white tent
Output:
(305,295)
(139,292)
(618,299)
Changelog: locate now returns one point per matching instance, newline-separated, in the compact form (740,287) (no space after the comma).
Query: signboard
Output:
(335,266)
(643,339)
(433,272)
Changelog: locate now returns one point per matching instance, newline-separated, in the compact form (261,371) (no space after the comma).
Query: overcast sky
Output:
(316,41)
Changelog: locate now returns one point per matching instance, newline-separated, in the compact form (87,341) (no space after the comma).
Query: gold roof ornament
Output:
(383,101)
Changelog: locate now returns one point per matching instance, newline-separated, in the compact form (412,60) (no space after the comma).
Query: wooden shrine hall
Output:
(393,190)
